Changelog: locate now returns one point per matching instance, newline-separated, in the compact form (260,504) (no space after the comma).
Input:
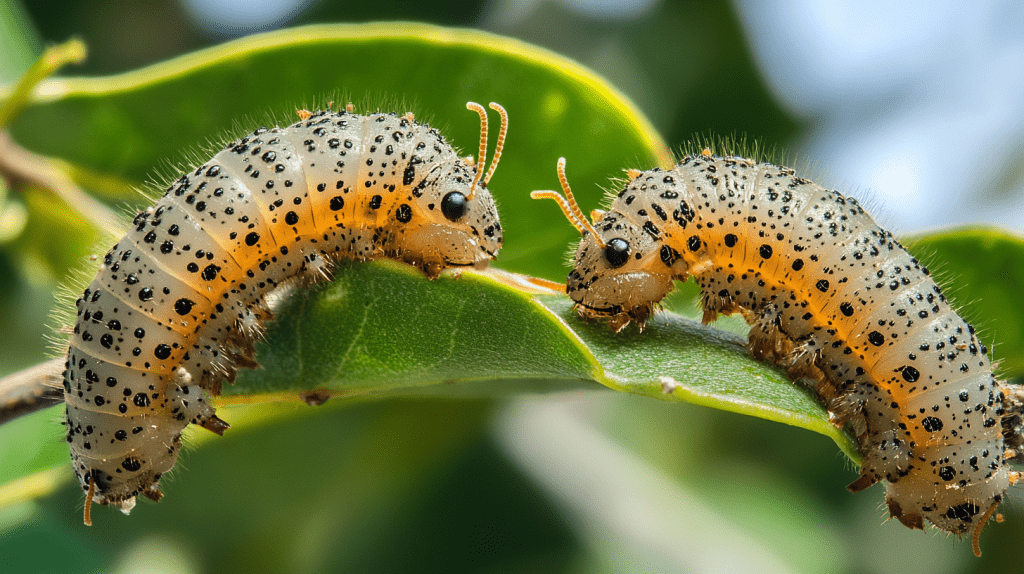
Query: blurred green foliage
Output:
(424,484)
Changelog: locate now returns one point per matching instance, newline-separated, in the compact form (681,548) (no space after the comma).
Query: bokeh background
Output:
(915,106)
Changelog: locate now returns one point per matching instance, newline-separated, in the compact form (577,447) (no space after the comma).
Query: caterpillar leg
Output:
(153,493)
(911,521)
(190,404)
(315,398)
(802,362)
(842,416)
(214,424)
(244,360)
(315,267)
(432,269)
(212,382)
(766,341)
(639,314)
(1013,421)
(887,457)
(865,480)
(716,303)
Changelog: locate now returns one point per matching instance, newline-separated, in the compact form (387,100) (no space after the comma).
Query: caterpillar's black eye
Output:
(453,206)
(617,252)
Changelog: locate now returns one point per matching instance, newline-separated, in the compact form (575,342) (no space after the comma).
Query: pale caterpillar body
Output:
(179,300)
(831,297)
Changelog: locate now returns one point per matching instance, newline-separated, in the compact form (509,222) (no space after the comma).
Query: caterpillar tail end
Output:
(124,506)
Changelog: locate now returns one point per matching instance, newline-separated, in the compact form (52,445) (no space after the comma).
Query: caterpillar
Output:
(831,297)
(178,302)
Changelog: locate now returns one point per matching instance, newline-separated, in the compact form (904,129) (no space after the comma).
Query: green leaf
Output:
(380,328)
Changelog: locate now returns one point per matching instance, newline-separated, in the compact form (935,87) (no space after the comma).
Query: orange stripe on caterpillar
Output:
(178,301)
(830,296)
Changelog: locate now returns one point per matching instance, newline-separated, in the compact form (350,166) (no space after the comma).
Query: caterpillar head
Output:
(460,227)
(620,271)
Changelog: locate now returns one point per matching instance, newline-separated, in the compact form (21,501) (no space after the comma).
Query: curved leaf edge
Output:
(236,50)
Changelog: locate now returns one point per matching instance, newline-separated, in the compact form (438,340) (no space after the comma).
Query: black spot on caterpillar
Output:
(832,298)
(189,280)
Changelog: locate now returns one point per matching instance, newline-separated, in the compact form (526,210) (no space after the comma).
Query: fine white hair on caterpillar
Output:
(831,297)
(179,300)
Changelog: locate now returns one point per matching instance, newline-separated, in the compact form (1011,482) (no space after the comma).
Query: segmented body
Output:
(178,301)
(830,296)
